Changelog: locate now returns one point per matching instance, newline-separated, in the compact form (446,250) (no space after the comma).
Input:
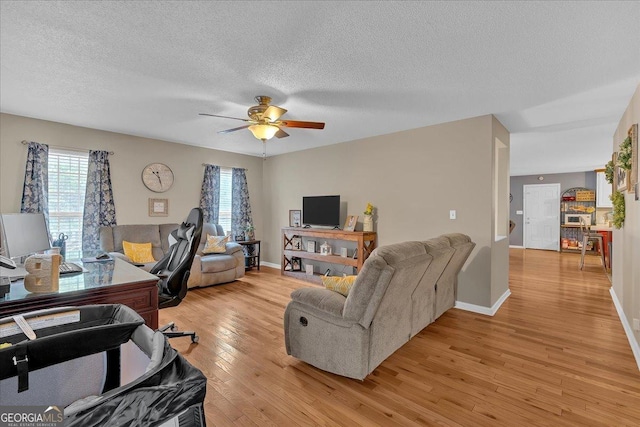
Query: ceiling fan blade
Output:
(299,124)
(273,113)
(224,117)
(281,134)
(234,129)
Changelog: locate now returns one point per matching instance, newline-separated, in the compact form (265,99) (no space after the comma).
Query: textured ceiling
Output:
(558,75)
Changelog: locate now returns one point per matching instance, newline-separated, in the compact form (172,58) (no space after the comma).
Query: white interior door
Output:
(542,216)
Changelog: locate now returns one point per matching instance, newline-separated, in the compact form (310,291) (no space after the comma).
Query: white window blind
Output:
(224,217)
(67,182)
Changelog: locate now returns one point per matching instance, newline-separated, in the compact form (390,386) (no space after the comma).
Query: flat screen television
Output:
(24,234)
(321,210)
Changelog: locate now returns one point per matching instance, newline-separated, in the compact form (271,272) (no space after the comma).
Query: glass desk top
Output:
(97,275)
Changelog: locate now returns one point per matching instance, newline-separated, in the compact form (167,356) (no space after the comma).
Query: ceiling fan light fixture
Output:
(263,132)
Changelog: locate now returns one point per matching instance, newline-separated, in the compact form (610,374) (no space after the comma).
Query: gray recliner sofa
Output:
(401,289)
(206,270)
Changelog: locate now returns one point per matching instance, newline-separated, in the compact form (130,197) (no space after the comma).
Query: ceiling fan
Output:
(264,120)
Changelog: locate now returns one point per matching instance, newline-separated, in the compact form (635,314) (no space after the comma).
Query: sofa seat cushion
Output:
(215,263)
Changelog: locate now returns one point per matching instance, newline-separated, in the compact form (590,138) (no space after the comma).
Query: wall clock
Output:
(157,177)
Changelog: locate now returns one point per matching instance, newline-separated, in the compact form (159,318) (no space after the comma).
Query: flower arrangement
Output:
(369,209)
(618,209)
(608,172)
(624,155)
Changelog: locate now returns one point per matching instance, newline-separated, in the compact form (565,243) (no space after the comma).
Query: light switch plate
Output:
(452,214)
(519,212)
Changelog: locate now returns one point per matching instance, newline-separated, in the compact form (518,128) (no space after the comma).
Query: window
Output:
(224,216)
(67,183)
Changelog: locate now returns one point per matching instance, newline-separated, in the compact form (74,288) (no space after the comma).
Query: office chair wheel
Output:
(195,339)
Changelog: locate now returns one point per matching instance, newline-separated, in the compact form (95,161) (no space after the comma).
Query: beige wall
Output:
(131,155)
(413,178)
(626,241)
(500,226)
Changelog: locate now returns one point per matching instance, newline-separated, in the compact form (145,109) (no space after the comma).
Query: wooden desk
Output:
(112,282)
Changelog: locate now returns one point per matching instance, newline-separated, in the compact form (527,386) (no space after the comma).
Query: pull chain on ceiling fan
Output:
(264,121)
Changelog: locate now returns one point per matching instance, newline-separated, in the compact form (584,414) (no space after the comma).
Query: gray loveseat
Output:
(207,269)
(401,289)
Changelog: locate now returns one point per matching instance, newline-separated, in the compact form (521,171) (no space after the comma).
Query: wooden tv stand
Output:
(365,244)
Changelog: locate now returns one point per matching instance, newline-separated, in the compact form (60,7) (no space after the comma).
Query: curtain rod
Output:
(25,142)
(226,167)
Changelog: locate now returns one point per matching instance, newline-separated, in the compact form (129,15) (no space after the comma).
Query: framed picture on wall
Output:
(295,218)
(635,174)
(158,207)
(620,176)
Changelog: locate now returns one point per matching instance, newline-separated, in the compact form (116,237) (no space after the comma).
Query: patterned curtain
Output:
(210,194)
(240,205)
(35,192)
(99,209)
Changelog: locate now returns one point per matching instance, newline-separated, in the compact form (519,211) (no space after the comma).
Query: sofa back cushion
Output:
(394,269)
(424,295)
(448,281)
(111,238)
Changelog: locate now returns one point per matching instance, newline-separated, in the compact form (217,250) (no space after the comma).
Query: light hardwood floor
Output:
(555,354)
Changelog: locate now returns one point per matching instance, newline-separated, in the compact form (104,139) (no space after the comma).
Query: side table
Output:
(251,253)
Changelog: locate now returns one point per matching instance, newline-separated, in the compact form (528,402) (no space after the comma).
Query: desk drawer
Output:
(140,300)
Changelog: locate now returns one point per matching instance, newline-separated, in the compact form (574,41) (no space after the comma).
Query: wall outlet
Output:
(452,214)
(519,212)
(636,325)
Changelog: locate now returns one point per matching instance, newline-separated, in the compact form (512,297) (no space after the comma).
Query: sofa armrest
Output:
(121,256)
(324,300)
(233,247)
(195,275)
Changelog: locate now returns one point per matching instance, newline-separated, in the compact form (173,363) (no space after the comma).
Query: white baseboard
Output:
(516,247)
(488,311)
(270,264)
(635,348)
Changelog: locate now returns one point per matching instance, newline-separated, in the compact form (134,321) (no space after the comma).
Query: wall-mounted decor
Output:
(620,176)
(635,156)
(158,207)
(295,218)
(350,223)
(157,177)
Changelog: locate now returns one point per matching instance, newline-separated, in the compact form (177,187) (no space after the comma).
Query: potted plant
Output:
(249,231)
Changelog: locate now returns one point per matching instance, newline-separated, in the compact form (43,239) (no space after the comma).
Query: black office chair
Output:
(174,269)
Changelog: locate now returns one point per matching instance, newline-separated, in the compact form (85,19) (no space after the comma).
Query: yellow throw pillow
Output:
(215,245)
(139,253)
(342,285)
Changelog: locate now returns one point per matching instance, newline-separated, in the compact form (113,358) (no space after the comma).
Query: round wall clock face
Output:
(157,177)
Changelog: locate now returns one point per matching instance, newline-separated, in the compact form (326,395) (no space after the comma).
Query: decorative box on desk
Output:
(365,244)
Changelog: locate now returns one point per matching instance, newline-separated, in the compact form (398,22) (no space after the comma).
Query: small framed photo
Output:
(311,246)
(350,223)
(296,243)
(295,218)
(620,176)
(158,207)
(296,264)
